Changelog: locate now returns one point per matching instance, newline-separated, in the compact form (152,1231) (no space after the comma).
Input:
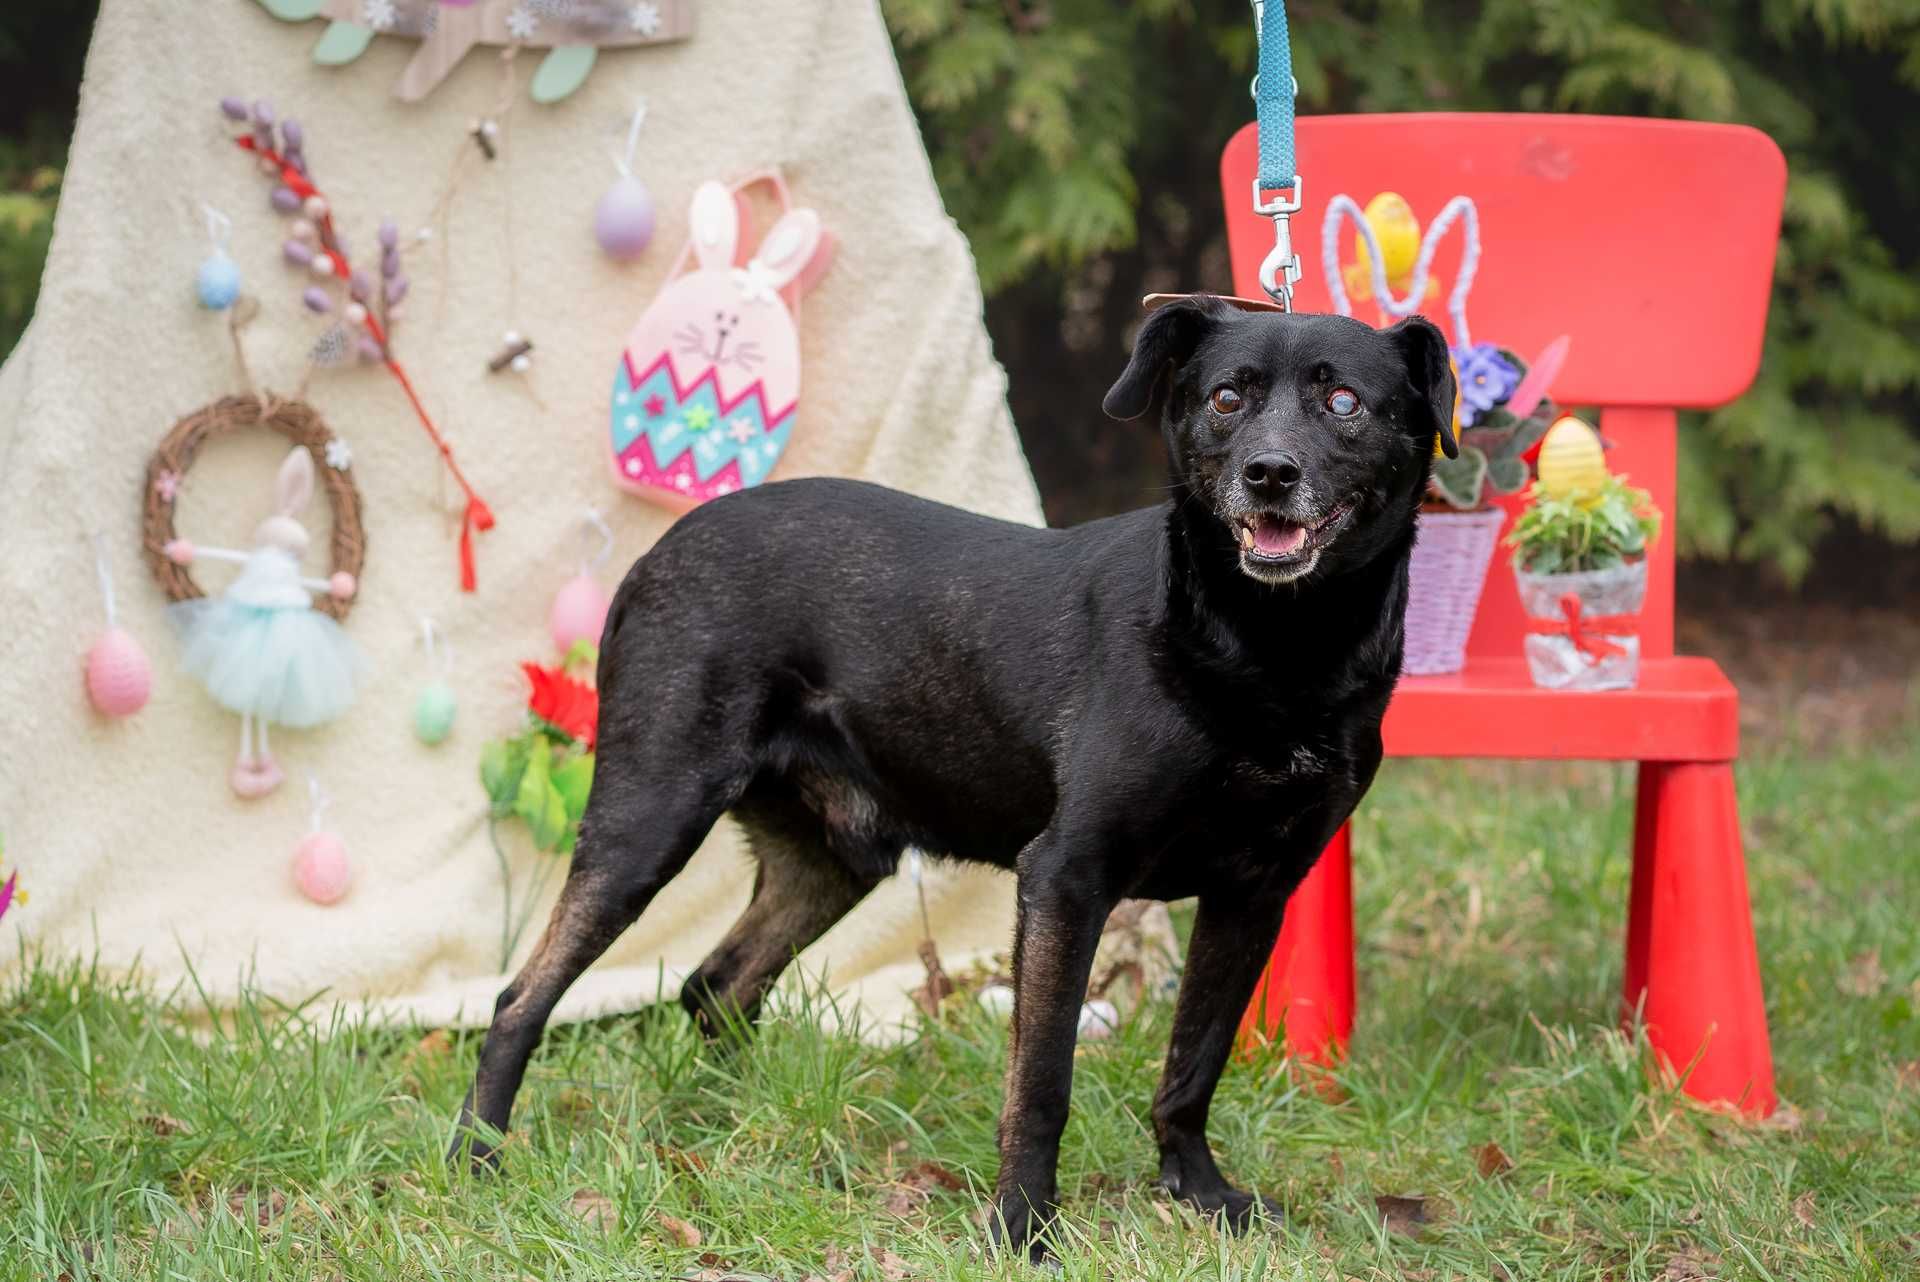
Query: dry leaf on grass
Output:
(594,1208)
(1865,977)
(1908,1074)
(1803,1208)
(912,1190)
(1404,1215)
(1693,1265)
(679,1230)
(163,1126)
(1491,1160)
(892,1266)
(266,1208)
(680,1160)
(420,1057)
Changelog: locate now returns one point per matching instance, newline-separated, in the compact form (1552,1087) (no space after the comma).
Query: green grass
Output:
(1490,914)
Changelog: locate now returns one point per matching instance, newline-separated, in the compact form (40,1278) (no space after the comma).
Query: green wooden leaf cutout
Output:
(562,72)
(341,43)
(293,10)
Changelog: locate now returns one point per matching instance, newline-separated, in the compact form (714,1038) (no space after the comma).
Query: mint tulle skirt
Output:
(289,666)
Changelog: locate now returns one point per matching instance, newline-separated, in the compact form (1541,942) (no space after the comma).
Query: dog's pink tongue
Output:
(1278,538)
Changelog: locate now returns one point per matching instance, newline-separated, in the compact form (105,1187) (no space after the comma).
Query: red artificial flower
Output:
(572,705)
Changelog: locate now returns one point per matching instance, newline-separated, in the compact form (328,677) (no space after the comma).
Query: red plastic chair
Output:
(1651,243)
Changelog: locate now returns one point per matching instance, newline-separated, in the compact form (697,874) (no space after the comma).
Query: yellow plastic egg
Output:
(1397,230)
(1571,459)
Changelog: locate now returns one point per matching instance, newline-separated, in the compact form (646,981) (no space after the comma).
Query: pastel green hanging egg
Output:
(433,713)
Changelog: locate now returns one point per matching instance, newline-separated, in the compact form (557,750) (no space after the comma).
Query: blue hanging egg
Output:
(218,281)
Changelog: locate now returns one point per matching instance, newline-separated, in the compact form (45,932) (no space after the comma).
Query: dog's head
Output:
(1308,439)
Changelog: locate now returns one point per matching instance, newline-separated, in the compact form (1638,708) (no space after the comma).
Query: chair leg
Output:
(1691,926)
(1308,986)
(1634,979)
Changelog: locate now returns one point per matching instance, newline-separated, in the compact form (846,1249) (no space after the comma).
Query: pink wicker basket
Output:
(1451,554)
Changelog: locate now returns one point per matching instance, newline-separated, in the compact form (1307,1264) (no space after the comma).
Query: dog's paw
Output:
(1236,1211)
(472,1154)
(1015,1228)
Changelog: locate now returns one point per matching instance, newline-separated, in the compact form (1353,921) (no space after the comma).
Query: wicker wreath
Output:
(296,421)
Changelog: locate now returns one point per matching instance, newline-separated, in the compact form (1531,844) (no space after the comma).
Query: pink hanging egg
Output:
(579,613)
(320,867)
(119,678)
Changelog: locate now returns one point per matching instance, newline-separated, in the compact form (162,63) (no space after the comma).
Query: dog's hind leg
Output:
(799,892)
(627,851)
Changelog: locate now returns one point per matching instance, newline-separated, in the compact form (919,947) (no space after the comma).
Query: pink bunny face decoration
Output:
(704,399)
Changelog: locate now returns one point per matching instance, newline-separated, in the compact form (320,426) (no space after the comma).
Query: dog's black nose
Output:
(1270,473)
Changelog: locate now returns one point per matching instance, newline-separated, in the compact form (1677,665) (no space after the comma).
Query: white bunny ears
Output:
(293,490)
(797,247)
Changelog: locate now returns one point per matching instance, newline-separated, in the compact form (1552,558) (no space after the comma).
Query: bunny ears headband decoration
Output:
(706,390)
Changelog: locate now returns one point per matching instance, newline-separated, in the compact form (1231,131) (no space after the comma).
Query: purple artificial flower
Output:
(1487,379)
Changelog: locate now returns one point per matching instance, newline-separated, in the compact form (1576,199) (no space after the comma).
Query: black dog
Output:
(1182,701)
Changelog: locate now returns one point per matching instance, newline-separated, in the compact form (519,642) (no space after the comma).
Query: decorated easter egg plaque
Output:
(705,393)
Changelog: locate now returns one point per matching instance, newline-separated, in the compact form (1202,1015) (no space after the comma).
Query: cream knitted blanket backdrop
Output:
(125,832)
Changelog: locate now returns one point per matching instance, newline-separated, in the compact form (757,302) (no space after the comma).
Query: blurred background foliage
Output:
(1076,142)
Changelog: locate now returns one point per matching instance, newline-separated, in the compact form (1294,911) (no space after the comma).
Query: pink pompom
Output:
(579,613)
(119,678)
(342,586)
(320,867)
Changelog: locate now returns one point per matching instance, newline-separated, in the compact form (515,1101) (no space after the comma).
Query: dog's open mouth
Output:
(1274,540)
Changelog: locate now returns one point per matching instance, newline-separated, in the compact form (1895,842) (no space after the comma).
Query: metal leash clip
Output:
(1280,270)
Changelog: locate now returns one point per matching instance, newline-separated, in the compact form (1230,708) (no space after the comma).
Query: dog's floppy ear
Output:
(1430,370)
(1168,336)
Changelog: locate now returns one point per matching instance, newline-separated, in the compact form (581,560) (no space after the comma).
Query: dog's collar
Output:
(1153,302)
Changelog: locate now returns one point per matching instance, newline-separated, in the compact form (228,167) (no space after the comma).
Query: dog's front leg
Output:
(1233,934)
(1061,912)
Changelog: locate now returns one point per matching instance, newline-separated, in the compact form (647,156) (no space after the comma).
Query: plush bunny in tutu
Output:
(260,647)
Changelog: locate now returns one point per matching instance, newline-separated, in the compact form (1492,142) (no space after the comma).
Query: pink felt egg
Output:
(320,867)
(119,678)
(579,613)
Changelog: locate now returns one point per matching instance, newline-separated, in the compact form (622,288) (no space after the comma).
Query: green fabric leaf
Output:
(341,43)
(502,763)
(574,779)
(1506,475)
(1461,480)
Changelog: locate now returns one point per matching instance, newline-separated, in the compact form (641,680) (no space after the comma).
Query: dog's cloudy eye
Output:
(1343,402)
(1225,400)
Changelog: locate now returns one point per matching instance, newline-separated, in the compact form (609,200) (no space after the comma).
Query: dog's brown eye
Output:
(1343,402)
(1225,400)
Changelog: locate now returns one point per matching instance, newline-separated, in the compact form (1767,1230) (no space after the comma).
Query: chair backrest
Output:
(1650,242)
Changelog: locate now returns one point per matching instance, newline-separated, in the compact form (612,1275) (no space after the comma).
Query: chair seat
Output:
(1684,709)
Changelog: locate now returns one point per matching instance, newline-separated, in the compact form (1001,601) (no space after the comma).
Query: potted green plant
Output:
(1501,411)
(1580,564)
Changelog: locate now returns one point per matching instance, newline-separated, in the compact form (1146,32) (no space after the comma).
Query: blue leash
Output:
(1273,93)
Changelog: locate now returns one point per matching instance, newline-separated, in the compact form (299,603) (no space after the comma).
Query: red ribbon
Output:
(1586,631)
(478,516)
